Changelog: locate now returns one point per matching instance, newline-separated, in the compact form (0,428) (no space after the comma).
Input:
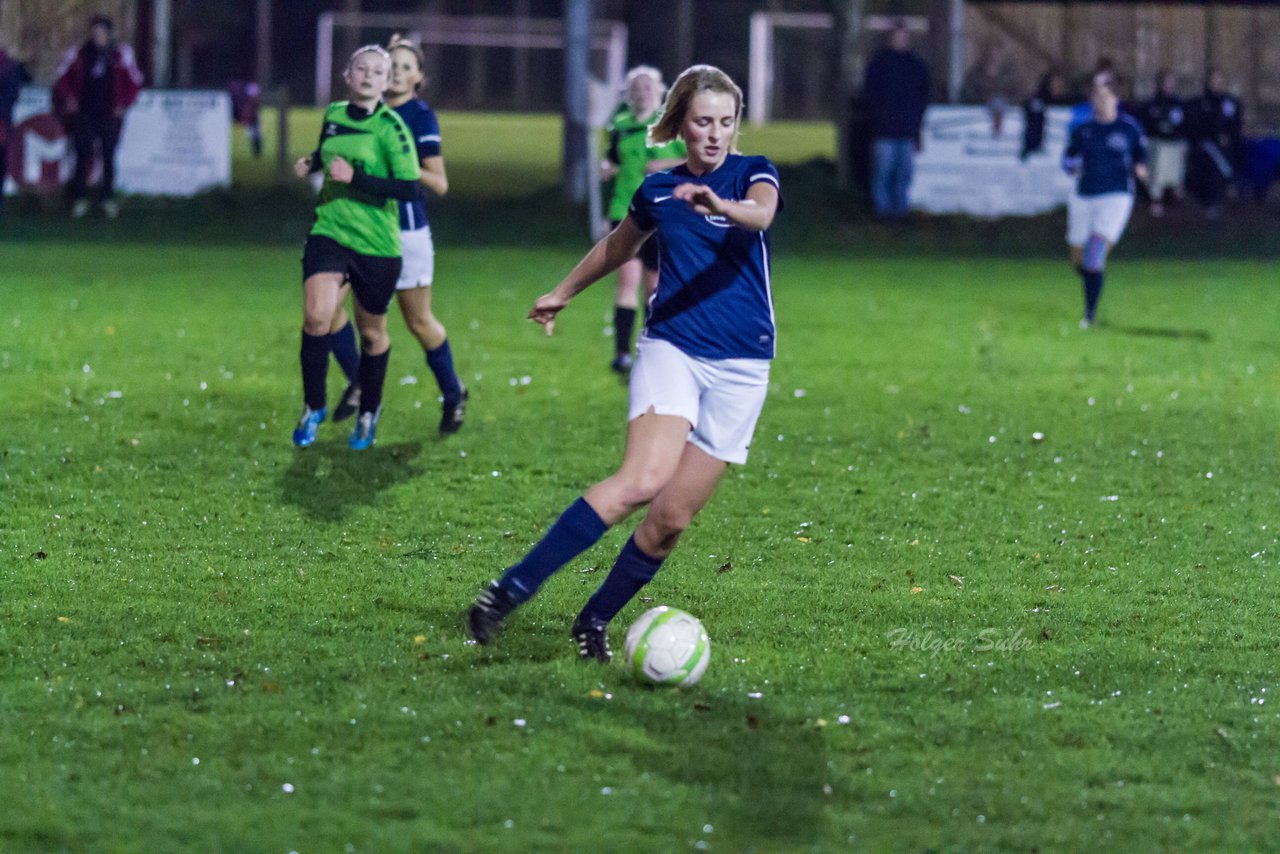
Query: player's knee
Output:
(639,489)
(315,323)
(669,521)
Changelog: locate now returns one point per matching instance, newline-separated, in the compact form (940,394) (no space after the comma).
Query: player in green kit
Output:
(630,159)
(370,162)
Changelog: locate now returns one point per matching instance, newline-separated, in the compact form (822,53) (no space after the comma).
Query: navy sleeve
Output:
(426,134)
(761,171)
(1139,145)
(641,210)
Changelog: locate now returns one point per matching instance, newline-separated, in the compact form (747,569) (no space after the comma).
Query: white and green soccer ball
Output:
(668,646)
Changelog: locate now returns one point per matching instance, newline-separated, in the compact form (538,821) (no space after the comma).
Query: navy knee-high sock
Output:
(631,571)
(373,372)
(315,368)
(1092,292)
(578,529)
(343,343)
(624,321)
(440,361)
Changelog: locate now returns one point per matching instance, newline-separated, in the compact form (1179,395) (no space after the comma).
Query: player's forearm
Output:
(607,255)
(388,188)
(433,176)
(748,214)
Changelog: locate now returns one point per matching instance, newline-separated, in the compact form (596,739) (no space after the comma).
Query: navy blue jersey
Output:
(426,135)
(1105,155)
(714,299)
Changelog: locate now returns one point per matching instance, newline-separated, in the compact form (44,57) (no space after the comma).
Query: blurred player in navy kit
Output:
(1106,153)
(1214,126)
(1164,118)
(97,82)
(702,365)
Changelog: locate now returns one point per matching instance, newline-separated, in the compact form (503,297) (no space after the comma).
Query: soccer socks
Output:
(343,343)
(624,321)
(578,529)
(440,361)
(373,372)
(315,368)
(632,570)
(1092,292)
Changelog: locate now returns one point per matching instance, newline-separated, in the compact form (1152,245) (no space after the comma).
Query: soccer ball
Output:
(668,646)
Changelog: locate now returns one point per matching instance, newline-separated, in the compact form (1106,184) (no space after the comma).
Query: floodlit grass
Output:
(930,629)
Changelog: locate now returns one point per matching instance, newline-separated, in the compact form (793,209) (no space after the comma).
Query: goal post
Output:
(762,81)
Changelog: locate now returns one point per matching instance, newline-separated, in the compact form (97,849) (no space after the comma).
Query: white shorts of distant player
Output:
(417,259)
(720,398)
(1168,166)
(1105,215)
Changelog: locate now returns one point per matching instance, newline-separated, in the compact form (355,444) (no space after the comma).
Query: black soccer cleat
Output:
(453,413)
(592,638)
(488,611)
(348,403)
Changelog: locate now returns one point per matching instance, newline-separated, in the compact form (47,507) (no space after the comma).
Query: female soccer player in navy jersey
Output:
(368,159)
(1106,152)
(413,290)
(702,365)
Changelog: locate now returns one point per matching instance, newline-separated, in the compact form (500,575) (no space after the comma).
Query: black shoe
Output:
(453,413)
(348,403)
(622,364)
(488,611)
(592,639)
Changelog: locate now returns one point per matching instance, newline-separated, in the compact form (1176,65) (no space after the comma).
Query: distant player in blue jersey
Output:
(413,290)
(702,363)
(1106,153)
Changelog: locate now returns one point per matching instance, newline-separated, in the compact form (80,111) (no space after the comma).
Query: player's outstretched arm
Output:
(754,213)
(614,249)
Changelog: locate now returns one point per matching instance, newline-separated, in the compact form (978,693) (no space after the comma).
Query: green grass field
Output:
(930,629)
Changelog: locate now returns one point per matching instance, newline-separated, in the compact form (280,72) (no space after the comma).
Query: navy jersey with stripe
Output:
(425,129)
(714,298)
(1105,155)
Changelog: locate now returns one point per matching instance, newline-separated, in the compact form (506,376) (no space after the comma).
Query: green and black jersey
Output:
(630,151)
(379,144)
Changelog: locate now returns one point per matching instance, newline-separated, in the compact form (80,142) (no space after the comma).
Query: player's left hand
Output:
(545,308)
(700,197)
(1140,171)
(341,171)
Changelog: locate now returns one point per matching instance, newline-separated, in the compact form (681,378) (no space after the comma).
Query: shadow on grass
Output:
(327,481)
(774,768)
(1156,332)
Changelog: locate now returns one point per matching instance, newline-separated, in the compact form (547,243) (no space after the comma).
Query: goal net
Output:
(474,62)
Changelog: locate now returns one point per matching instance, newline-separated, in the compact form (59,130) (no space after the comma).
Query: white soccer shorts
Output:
(418,259)
(1105,215)
(720,398)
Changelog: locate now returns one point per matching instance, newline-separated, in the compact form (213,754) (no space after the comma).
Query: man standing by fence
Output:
(96,83)
(896,88)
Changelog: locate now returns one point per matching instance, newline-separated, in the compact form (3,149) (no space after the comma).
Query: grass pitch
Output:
(987,581)
(930,628)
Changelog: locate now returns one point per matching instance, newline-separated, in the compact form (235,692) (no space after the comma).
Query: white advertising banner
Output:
(174,143)
(969,164)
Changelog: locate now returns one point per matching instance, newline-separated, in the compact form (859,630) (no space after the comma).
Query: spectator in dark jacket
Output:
(96,83)
(1214,124)
(897,91)
(12,75)
(1052,92)
(1164,119)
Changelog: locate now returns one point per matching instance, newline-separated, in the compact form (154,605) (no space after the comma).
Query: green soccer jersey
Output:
(629,149)
(378,143)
